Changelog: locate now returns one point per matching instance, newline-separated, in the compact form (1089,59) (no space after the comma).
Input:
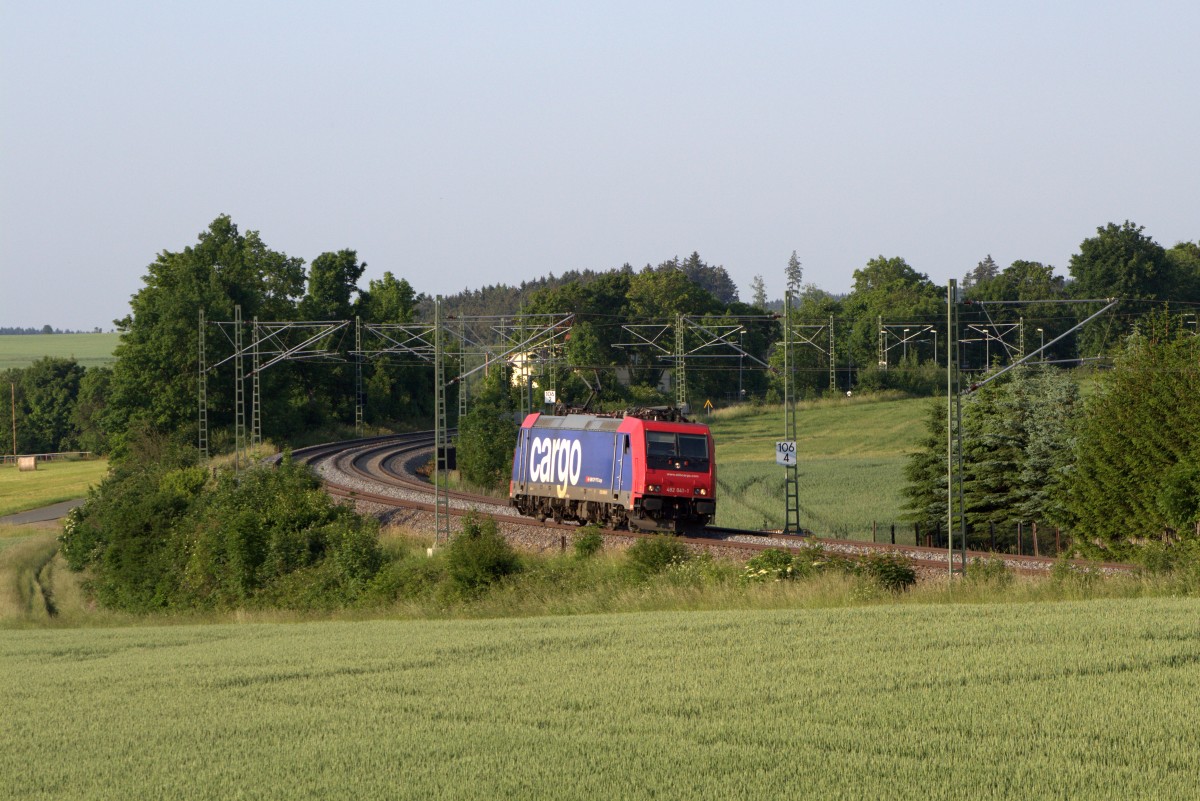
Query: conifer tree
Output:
(1137,438)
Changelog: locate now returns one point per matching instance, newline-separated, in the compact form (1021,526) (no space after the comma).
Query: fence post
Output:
(894,533)
(1035,542)
(1058,545)
(1019,538)
(874,531)
(992,536)
(917,534)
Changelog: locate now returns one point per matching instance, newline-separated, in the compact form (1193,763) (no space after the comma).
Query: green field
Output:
(90,350)
(1051,701)
(51,483)
(851,453)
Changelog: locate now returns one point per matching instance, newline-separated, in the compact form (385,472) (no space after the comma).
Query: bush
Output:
(478,557)
(652,555)
(921,380)
(1066,573)
(588,542)
(770,565)
(407,577)
(1160,558)
(891,571)
(164,536)
(777,565)
(698,571)
(991,572)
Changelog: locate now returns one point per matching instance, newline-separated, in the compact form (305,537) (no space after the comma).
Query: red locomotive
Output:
(637,471)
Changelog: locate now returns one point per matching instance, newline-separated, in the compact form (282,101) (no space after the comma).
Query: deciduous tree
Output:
(1119,262)
(153,380)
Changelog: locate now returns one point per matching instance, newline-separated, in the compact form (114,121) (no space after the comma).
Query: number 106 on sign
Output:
(785,453)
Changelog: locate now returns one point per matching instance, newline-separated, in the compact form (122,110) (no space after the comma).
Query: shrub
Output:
(588,542)
(165,536)
(992,572)
(479,556)
(697,571)
(652,555)
(770,565)
(1170,557)
(920,380)
(403,577)
(891,571)
(1066,573)
(778,565)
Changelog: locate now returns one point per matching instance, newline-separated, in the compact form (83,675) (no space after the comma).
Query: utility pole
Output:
(12,387)
(791,482)
(441,491)
(951,394)
(239,392)
(741,357)
(681,395)
(202,390)
(358,377)
(255,389)
(833,385)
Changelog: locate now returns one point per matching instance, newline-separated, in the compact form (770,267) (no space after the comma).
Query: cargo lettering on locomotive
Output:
(555,461)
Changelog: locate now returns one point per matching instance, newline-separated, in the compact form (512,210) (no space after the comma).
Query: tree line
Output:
(45,329)
(152,386)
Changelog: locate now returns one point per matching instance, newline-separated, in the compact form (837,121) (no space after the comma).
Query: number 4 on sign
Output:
(785,453)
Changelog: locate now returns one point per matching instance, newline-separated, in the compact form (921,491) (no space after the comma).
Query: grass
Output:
(51,483)
(1068,700)
(851,454)
(25,559)
(90,350)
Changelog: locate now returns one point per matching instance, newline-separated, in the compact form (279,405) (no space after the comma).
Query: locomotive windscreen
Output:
(668,451)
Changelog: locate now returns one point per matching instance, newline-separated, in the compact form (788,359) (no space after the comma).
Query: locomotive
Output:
(637,471)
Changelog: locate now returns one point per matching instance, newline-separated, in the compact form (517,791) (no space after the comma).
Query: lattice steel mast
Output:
(441,492)
(202,391)
(791,481)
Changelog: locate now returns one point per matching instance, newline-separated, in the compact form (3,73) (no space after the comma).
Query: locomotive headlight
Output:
(701,491)
(654,488)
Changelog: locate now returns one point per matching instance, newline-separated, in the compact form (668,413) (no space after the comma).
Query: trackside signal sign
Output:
(785,453)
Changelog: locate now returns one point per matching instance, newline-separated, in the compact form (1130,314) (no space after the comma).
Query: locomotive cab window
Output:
(667,451)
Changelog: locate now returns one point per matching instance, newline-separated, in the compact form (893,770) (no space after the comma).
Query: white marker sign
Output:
(785,453)
(550,396)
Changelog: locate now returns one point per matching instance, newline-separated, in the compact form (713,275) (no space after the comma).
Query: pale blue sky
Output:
(462,144)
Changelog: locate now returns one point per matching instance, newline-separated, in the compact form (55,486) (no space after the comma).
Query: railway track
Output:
(380,475)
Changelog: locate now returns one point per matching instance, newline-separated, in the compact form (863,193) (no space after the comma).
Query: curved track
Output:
(380,474)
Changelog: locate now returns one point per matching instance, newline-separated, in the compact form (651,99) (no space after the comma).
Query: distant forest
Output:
(502,299)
